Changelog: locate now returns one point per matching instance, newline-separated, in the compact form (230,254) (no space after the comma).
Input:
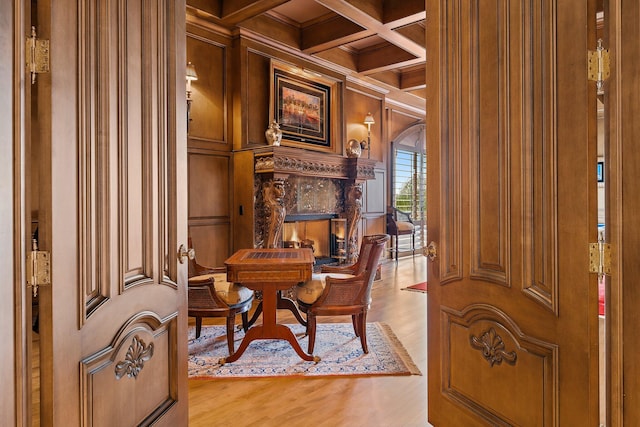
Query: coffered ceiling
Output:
(378,42)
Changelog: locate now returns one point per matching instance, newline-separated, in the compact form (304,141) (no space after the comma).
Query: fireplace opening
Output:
(314,232)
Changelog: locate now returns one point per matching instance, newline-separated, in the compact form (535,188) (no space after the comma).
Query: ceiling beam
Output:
(399,13)
(351,12)
(331,33)
(274,29)
(385,58)
(236,11)
(413,79)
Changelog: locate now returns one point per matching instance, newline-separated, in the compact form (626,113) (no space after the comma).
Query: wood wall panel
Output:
(208,185)
(209,94)
(375,201)
(357,104)
(257,97)
(398,121)
(211,242)
(210,202)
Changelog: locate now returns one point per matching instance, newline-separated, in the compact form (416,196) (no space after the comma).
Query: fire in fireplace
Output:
(310,231)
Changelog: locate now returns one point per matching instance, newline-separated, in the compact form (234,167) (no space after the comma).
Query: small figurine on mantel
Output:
(273,133)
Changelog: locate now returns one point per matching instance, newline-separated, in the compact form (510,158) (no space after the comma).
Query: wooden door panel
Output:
(145,342)
(114,319)
(505,150)
(487,361)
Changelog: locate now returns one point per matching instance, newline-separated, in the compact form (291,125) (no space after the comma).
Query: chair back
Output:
(202,296)
(399,222)
(367,245)
(370,252)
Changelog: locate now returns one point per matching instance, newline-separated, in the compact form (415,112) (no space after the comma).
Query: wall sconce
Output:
(368,120)
(191,76)
(355,147)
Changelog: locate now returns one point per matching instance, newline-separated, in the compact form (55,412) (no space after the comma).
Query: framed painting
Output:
(301,103)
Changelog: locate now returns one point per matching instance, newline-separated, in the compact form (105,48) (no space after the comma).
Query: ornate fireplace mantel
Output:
(283,161)
(275,166)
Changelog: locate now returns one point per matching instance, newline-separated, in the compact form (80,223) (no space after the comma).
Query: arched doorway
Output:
(408,182)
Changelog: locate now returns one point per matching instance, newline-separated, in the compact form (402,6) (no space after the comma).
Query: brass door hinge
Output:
(600,258)
(598,66)
(38,269)
(37,55)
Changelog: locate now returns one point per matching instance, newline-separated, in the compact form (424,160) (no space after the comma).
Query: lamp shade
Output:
(369,120)
(191,72)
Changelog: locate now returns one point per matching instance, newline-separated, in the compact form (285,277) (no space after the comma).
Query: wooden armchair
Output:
(343,290)
(210,295)
(400,223)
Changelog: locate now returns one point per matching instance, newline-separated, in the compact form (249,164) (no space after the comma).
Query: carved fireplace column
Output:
(273,195)
(353,211)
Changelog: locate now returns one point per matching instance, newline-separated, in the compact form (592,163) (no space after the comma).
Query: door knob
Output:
(431,251)
(185,253)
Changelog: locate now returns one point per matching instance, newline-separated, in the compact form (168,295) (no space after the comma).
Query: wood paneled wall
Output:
(209,147)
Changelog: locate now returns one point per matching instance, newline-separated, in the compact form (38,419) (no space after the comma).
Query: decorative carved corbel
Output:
(273,195)
(353,210)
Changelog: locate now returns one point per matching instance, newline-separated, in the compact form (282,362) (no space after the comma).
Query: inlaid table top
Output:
(285,265)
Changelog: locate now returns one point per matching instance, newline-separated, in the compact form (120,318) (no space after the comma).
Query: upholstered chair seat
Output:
(405,227)
(230,293)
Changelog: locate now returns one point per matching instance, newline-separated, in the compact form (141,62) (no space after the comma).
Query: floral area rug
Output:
(339,349)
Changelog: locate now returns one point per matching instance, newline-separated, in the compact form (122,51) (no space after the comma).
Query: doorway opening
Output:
(603,335)
(409,184)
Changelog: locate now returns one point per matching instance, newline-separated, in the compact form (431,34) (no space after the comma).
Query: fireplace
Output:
(306,199)
(323,234)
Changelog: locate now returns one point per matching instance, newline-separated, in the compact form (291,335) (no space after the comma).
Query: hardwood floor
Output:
(367,401)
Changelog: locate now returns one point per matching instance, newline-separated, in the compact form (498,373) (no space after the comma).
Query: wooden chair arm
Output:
(341,292)
(201,270)
(345,269)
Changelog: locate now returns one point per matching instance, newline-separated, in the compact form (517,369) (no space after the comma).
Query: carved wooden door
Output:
(112,126)
(512,309)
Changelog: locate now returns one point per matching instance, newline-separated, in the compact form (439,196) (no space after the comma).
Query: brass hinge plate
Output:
(600,258)
(598,65)
(38,270)
(37,55)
